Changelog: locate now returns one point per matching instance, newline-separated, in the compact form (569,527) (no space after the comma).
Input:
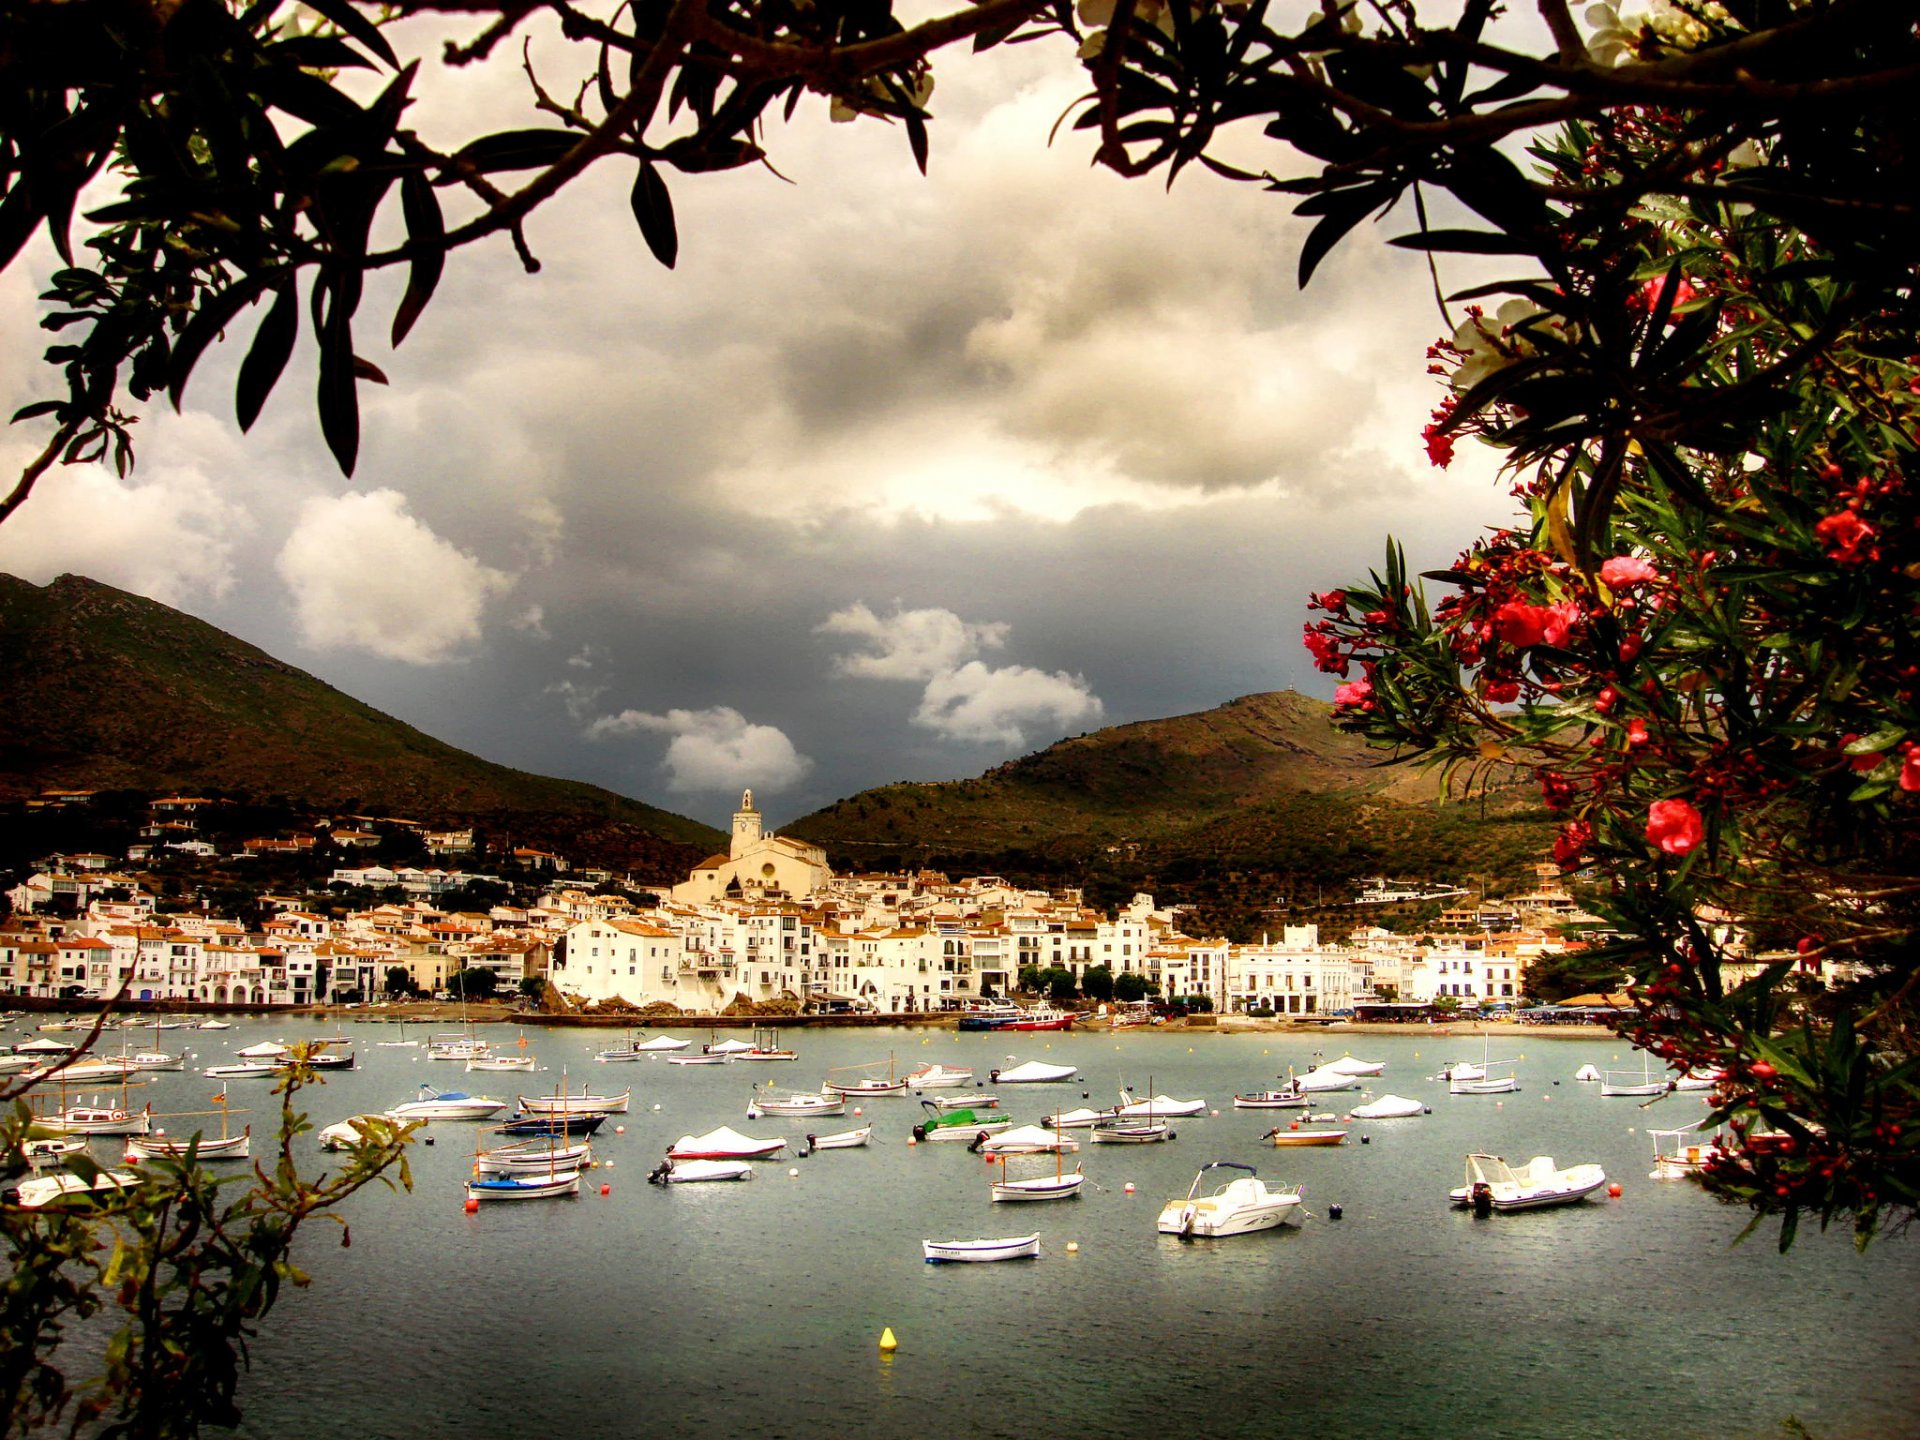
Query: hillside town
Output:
(768,924)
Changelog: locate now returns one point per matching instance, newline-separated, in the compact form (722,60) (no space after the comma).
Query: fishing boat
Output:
(502,1062)
(1272,1100)
(1294,1135)
(524,1187)
(1130,1132)
(674,1171)
(1041,1017)
(841,1140)
(964,1125)
(1623,1083)
(935,1076)
(1684,1153)
(44,1190)
(1024,1140)
(1241,1206)
(1033,1072)
(865,1081)
(562,1103)
(154,1060)
(1495,1077)
(988,1016)
(317,1055)
(1389,1107)
(800,1103)
(1492,1184)
(572,1123)
(724,1144)
(766,1046)
(1061,1185)
(1697,1079)
(530,1157)
(447,1105)
(401,1044)
(203,1147)
(945,1252)
(95,1118)
(701,1059)
(458,1045)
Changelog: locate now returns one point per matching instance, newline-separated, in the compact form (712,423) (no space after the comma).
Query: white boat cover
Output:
(1034,1072)
(1388,1107)
(1326,1078)
(1353,1065)
(728,1047)
(1587,1072)
(265,1050)
(725,1141)
(1077,1119)
(1159,1105)
(662,1042)
(1026,1140)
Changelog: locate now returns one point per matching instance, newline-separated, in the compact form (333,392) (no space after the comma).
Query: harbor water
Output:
(756,1309)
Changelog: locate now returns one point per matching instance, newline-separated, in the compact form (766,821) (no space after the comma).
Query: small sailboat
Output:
(866,1081)
(225,1146)
(1489,1077)
(1626,1083)
(766,1046)
(1062,1184)
(524,1187)
(944,1252)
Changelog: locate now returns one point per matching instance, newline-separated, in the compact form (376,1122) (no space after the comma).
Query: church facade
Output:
(757,866)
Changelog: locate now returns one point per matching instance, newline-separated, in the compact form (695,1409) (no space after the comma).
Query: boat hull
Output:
(950,1252)
(524,1187)
(1040,1187)
(575,1104)
(153,1147)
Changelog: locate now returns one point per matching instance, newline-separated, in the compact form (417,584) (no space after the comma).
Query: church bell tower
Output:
(746,826)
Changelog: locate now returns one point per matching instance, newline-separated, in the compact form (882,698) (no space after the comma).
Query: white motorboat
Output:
(65,1185)
(660,1045)
(1697,1080)
(674,1171)
(796,1103)
(1587,1074)
(1272,1100)
(728,1047)
(1293,1135)
(155,1060)
(839,1140)
(448,1105)
(1389,1107)
(1495,1078)
(502,1062)
(1325,1079)
(265,1050)
(1026,1140)
(1492,1184)
(1464,1070)
(975,1101)
(50,1150)
(1241,1206)
(724,1144)
(1079,1119)
(1158,1107)
(1353,1065)
(962,1125)
(561,1103)
(213,1025)
(350,1132)
(699,1059)
(1062,1184)
(945,1252)
(104,1068)
(1033,1072)
(245,1070)
(939,1077)
(524,1187)
(457,1046)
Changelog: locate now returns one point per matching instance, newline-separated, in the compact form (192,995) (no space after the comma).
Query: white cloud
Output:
(532,621)
(986,706)
(579,697)
(713,749)
(909,644)
(170,538)
(366,575)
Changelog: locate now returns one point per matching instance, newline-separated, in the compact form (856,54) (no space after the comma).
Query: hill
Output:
(1254,811)
(110,691)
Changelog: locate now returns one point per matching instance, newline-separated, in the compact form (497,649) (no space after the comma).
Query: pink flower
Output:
(1674,826)
(1354,692)
(1520,624)
(1623,570)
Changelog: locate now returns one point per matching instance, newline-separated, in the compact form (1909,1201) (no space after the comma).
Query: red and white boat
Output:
(724,1144)
(1041,1018)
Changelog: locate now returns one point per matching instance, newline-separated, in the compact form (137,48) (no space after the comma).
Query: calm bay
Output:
(757,1308)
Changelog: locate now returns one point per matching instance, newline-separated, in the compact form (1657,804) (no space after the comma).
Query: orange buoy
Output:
(1613,1190)
(473,1205)
(606,1189)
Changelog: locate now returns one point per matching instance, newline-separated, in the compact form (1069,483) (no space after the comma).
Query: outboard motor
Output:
(978,1141)
(659,1176)
(993,1077)
(807,1149)
(919,1132)
(1481,1198)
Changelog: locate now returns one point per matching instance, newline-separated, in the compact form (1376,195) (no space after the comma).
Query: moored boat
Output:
(1130,1132)
(64,1185)
(448,1105)
(1157,1107)
(524,1187)
(1272,1100)
(1042,1017)
(1241,1206)
(800,1103)
(1492,1184)
(1018,1247)
(97,1119)
(934,1076)
(675,1171)
(503,1062)
(965,1125)
(1389,1107)
(1294,1135)
(532,1157)
(1025,1140)
(1033,1072)
(202,1147)
(562,1103)
(840,1140)
(723,1144)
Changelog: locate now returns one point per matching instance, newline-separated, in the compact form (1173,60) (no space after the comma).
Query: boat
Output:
(675,1171)
(97,1119)
(316,1056)
(1352,1065)
(1272,1100)
(527,1157)
(701,1059)
(1134,1132)
(401,1044)
(1492,1184)
(935,1076)
(245,1070)
(154,1060)
(1389,1107)
(65,1185)
(265,1050)
(1324,1080)
(524,1187)
(562,1103)
(947,1252)
(45,1151)
(1623,1083)
(766,1046)
(203,1147)
(1078,1119)
(502,1062)
(800,1103)
(1240,1206)
(213,1025)
(1294,1135)
(865,1081)
(457,1045)
(354,1130)
(1587,1074)
(1041,1017)
(447,1105)
(975,1101)
(1061,1185)
(103,1068)
(572,1123)
(659,1045)
(1684,1153)
(1024,1140)
(1489,1077)
(39,1048)
(724,1144)
(840,1140)
(1033,1072)
(983,1016)
(726,1047)
(1464,1070)
(1157,1107)
(1698,1079)
(967,1125)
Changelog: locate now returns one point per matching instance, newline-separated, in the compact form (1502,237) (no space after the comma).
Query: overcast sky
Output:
(894,478)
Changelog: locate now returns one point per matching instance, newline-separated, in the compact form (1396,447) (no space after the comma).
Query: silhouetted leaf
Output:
(1343,210)
(1463,242)
(425,226)
(208,321)
(338,401)
(516,150)
(917,139)
(653,208)
(355,24)
(272,345)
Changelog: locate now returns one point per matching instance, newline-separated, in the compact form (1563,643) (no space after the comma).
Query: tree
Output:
(1097,983)
(400,981)
(476,983)
(1130,985)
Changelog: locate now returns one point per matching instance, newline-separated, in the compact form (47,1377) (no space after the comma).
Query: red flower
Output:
(1354,692)
(1636,734)
(1910,770)
(1572,841)
(1623,570)
(1520,624)
(1648,295)
(1674,826)
(1844,533)
(1439,446)
(1502,692)
(1557,790)
(1326,650)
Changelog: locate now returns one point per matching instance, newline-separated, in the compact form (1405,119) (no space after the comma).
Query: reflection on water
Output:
(758,1307)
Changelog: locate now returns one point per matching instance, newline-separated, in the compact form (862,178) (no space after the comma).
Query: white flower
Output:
(1612,43)
(1492,343)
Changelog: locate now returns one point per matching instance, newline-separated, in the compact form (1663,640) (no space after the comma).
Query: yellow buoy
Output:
(1073,1247)
(887,1342)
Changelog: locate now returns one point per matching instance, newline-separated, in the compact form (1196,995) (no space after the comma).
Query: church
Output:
(757,866)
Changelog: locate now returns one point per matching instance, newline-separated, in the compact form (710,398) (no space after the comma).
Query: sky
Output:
(891,478)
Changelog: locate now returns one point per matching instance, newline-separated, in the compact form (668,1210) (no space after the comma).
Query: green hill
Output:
(108,691)
(1253,811)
